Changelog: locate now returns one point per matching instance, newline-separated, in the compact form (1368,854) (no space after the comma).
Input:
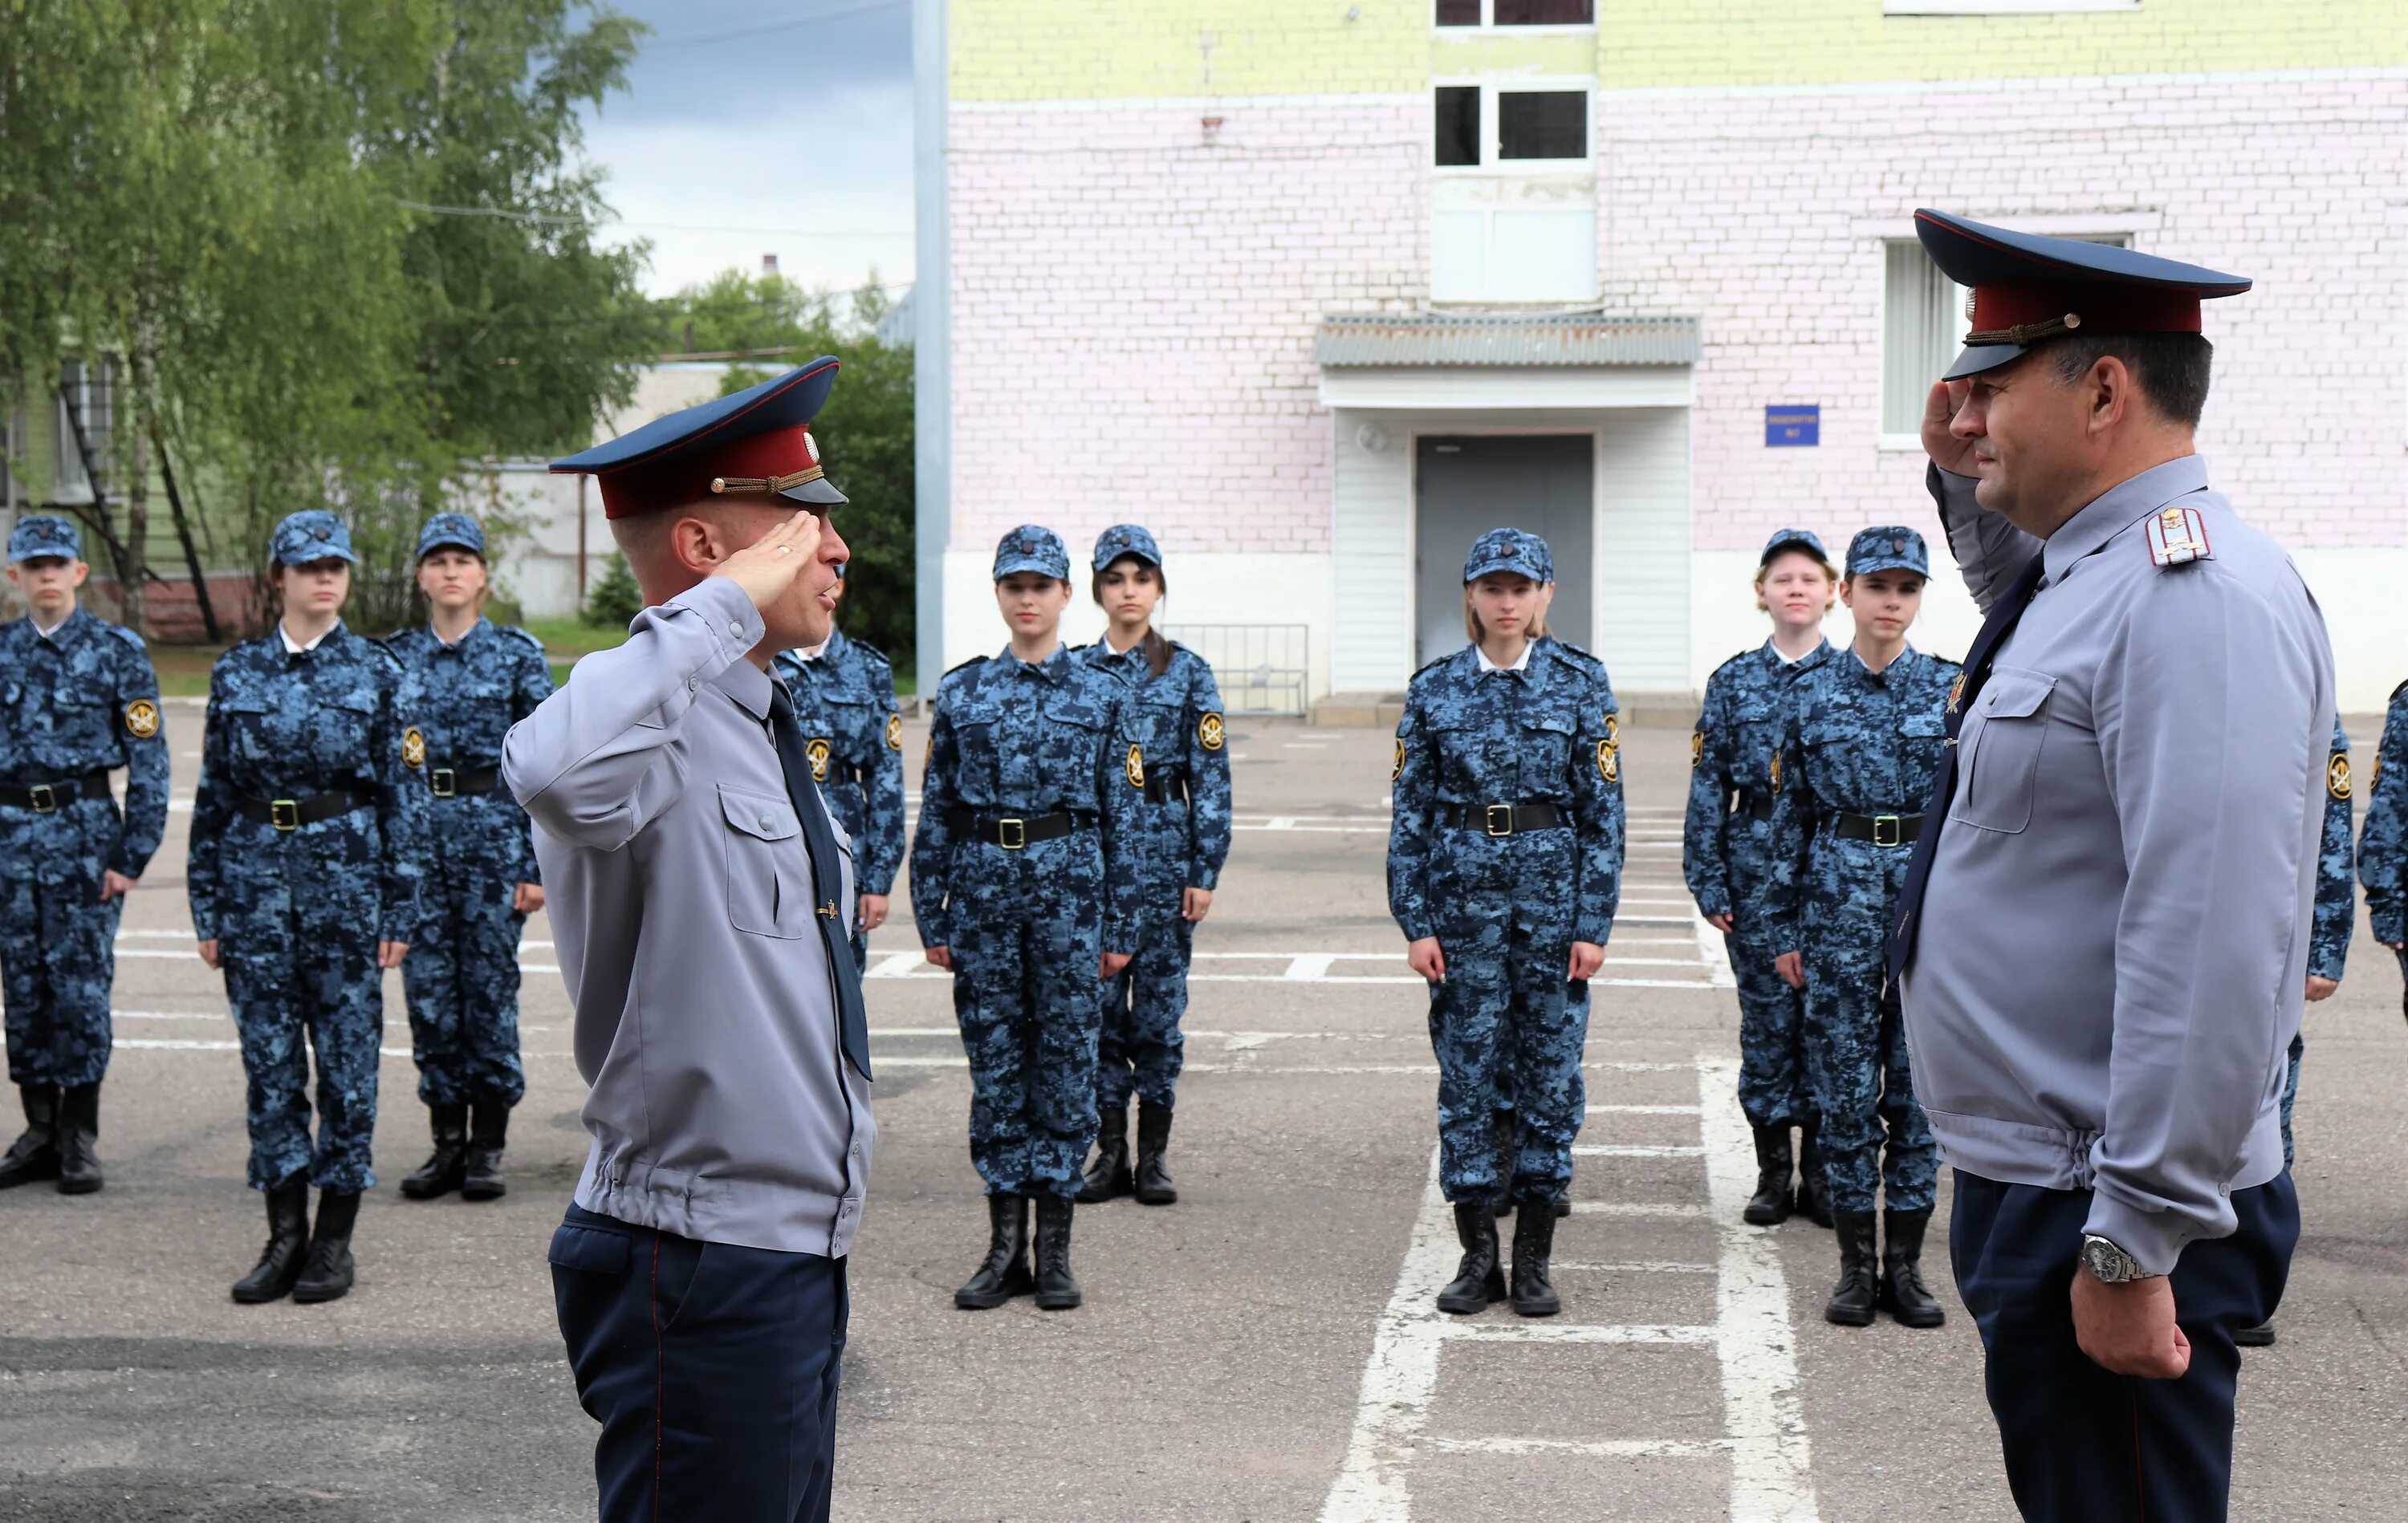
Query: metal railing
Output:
(1261,668)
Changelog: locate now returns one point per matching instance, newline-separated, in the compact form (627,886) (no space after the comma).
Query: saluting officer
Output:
(1504,871)
(308,837)
(469,681)
(843,691)
(2382,840)
(1726,856)
(1176,711)
(78,697)
(2107,931)
(1026,872)
(1861,744)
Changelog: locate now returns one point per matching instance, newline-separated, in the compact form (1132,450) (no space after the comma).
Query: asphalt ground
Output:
(1263,1350)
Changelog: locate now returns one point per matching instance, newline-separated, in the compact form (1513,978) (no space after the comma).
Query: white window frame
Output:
(1981,7)
(1487,22)
(96,387)
(1492,130)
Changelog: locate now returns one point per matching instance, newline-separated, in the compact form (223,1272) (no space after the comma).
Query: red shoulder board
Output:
(2178,535)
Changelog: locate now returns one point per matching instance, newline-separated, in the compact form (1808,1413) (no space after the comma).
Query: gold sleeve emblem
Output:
(1613,731)
(1609,762)
(142,719)
(1696,746)
(1776,772)
(1211,732)
(2337,774)
(817,750)
(1135,766)
(414,747)
(895,732)
(1399,770)
(1955,693)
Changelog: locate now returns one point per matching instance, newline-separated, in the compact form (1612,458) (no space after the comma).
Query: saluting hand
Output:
(1947,451)
(766,568)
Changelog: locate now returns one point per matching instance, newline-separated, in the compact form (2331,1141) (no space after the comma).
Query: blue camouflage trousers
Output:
(2291,1093)
(462,979)
(1508,1031)
(58,958)
(1872,1132)
(1141,1049)
(1772,1033)
(319,993)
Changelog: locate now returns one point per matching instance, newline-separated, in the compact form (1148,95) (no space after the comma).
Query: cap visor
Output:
(1980,357)
(1795,542)
(818,493)
(1889,562)
(1028,563)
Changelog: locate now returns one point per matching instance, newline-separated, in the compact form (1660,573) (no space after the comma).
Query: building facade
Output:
(1318,291)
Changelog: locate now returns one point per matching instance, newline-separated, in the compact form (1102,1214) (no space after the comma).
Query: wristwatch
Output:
(2110,1264)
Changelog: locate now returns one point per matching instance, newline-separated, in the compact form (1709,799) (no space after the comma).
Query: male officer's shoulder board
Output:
(2176,535)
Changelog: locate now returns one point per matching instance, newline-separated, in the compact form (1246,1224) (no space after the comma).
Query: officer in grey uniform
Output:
(2105,934)
(700,896)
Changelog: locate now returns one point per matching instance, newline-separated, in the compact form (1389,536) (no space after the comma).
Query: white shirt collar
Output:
(290,648)
(1521,666)
(53,629)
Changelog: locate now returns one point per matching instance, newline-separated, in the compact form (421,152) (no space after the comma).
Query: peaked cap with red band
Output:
(2028,289)
(754,446)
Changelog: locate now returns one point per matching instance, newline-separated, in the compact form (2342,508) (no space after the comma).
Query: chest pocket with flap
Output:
(768,873)
(2001,740)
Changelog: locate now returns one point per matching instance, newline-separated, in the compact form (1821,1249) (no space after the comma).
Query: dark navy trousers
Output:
(711,1368)
(2082,1444)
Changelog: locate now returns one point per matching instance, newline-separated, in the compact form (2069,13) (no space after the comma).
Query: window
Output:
(91,393)
(1923,326)
(1459,125)
(1458,12)
(1998,8)
(1543,124)
(1513,204)
(1516,12)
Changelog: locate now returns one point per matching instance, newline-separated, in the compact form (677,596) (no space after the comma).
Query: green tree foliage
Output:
(614,600)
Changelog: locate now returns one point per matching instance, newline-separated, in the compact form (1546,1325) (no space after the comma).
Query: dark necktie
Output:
(1994,630)
(828,880)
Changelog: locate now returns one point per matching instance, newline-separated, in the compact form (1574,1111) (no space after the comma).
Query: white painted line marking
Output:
(1635,1150)
(162,1043)
(1717,956)
(1676,1210)
(1676,1333)
(171,1015)
(1280,823)
(1611,1448)
(1631,1267)
(1400,1377)
(1642,1110)
(1310,967)
(897,965)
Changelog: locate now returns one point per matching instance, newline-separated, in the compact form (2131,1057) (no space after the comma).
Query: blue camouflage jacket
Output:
(1546,735)
(1022,739)
(1177,718)
(285,726)
(1723,842)
(463,699)
(2336,880)
(82,700)
(2382,840)
(1860,743)
(844,699)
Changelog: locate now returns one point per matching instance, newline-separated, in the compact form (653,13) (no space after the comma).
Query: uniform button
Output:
(764,822)
(734,628)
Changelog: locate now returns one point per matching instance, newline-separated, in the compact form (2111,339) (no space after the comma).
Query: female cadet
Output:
(1861,750)
(1724,854)
(844,699)
(469,681)
(307,834)
(1176,714)
(1504,867)
(1026,878)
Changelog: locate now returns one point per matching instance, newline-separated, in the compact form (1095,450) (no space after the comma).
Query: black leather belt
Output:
(1165,785)
(456,782)
(1504,819)
(291,813)
(1013,831)
(1881,830)
(45,798)
(1754,805)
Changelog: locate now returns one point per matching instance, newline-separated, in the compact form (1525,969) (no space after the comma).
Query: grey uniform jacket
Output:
(680,889)
(2114,948)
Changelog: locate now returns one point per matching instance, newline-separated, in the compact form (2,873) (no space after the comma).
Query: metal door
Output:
(1465,486)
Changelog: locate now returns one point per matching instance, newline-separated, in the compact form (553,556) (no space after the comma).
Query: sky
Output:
(751,127)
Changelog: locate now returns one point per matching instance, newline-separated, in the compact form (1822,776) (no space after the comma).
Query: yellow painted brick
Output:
(1504,52)
(1078,50)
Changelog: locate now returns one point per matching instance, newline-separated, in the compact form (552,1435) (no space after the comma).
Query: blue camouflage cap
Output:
(43,534)
(1887,547)
(455,530)
(1031,548)
(311,534)
(1789,539)
(1510,549)
(1125,539)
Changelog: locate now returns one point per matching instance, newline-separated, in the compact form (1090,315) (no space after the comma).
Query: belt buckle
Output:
(44,798)
(284,814)
(1890,824)
(1496,811)
(1011,834)
(444,781)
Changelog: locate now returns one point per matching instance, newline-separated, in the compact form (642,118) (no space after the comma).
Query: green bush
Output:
(614,598)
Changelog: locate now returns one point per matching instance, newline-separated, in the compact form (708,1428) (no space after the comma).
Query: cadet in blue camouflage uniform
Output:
(1504,869)
(1027,875)
(1861,749)
(309,835)
(1176,713)
(78,697)
(2382,840)
(1725,847)
(844,699)
(469,681)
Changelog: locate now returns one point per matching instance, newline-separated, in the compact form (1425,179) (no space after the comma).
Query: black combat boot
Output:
(35,1155)
(1004,1273)
(78,1134)
(1479,1280)
(288,1244)
(327,1275)
(1852,1300)
(1770,1205)
(1153,1187)
(2260,1336)
(1108,1177)
(1901,1292)
(1813,1190)
(441,1173)
(481,1172)
(1056,1290)
(1534,1238)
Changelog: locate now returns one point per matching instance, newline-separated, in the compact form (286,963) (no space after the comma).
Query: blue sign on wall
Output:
(1791,426)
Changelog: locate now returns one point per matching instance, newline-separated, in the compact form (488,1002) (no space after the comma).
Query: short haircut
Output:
(2172,369)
